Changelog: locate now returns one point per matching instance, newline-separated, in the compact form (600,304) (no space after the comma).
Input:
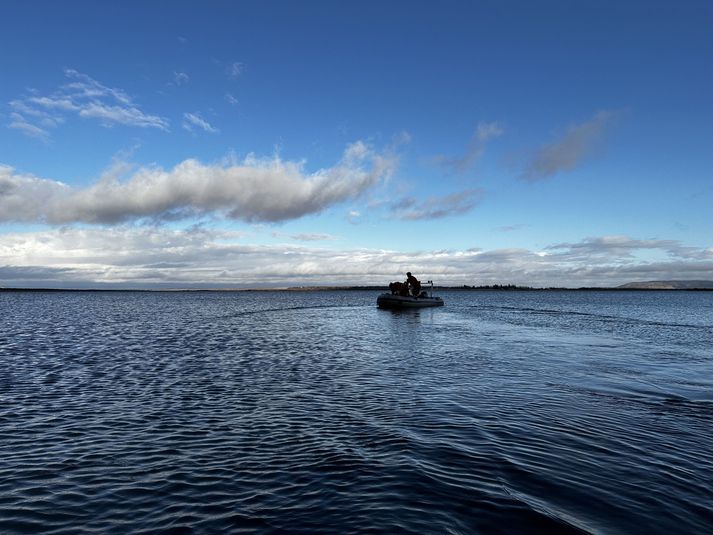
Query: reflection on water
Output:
(314,412)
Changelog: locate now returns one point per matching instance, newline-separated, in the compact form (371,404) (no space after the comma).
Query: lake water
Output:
(315,412)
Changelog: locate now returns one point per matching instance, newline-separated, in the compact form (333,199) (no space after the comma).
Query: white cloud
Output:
(180,78)
(234,69)
(25,197)
(353,216)
(145,256)
(85,97)
(88,87)
(357,151)
(29,129)
(194,120)
(53,103)
(255,189)
(109,115)
(231,99)
(570,150)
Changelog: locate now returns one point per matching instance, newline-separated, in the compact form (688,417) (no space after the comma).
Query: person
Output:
(413,284)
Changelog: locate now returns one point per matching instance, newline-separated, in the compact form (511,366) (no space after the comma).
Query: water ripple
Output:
(318,413)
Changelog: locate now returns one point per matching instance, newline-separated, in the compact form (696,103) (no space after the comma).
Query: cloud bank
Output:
(253,190)
(199,257)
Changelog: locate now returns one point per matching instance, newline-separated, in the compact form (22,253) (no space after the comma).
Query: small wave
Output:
(550,511)
(604,317)
(317,414)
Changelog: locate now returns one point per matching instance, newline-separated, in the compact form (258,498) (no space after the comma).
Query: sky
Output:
(175,144)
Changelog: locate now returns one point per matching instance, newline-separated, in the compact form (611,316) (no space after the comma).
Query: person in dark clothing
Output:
(413,284)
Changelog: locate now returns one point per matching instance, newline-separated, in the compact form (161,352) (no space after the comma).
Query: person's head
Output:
(408,273)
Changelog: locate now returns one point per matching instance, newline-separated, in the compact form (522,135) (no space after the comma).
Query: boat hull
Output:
(388,300)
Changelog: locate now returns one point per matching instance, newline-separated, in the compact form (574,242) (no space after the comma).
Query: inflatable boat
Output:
(395,300)
(388,300)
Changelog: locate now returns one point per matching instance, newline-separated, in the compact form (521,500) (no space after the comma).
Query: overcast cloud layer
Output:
(252,190)
(198,257)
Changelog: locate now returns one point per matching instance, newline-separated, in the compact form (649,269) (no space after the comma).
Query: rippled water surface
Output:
(290,412)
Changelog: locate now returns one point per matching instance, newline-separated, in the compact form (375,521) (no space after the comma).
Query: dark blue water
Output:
(315,412)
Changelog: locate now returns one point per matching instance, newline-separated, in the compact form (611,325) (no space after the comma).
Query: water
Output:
(315,412)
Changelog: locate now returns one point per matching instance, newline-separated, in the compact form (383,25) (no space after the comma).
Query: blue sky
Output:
(182,144)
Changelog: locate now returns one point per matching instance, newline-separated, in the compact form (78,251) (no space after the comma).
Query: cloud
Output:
(234,69)
(29,274)
(483,133)
(353,216)
(194,120)
(511,228)
(231,99)
(254,190)
(305,236)
(31,121)
(568,152)
(25,197)
(199,257)
(401,138)
(622,249)
(35,114)
(108,115)
(29,129)
(461,202)
(180,78)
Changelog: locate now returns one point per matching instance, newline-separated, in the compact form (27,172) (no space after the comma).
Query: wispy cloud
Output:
(234,69)
(401,138)
(191,121)
(231,99)
(256,189)
(511,228)
(594,249)
(36,115)
(409,208)
(307,237)
(109,115)
(565,154)
(32,130)
(180,78)
(353,216)
(483,133)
